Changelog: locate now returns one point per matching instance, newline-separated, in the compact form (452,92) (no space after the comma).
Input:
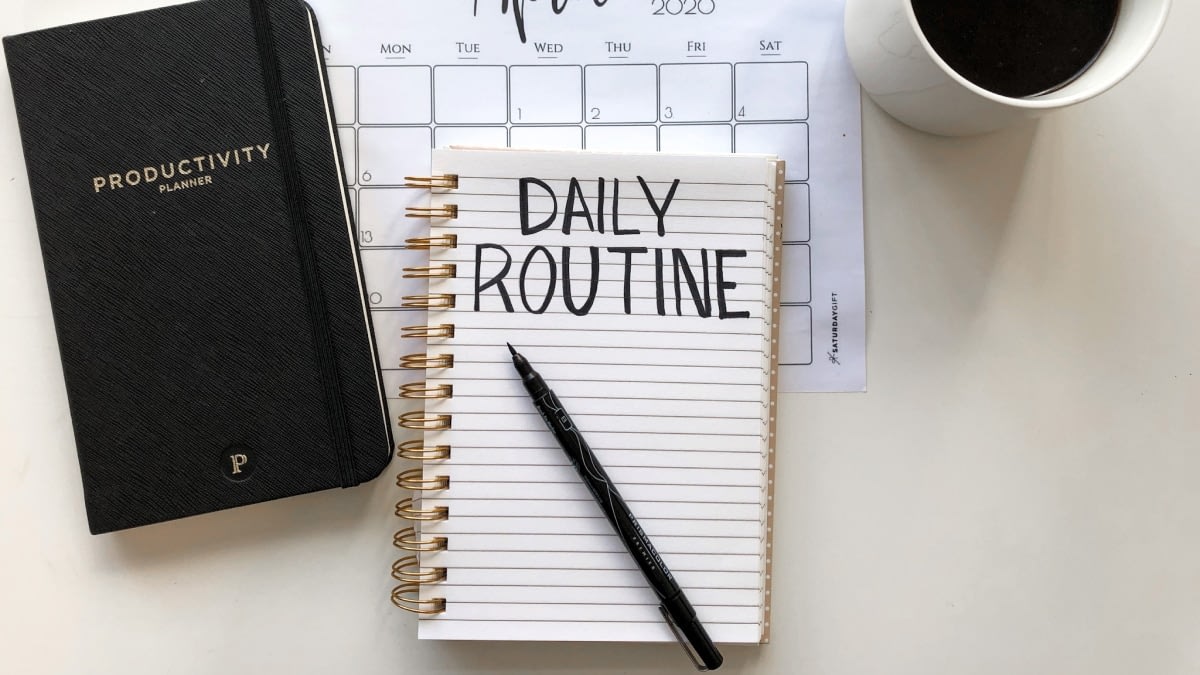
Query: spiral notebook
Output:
(644,288)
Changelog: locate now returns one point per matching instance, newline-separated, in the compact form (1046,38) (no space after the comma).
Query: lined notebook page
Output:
(673,403)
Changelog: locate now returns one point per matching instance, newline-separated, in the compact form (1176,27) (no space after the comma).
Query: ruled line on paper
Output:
(462,210)
(605,398)
(529,345)
(597,446)
(632,179)
(460,226)
(590,196)
(708,624)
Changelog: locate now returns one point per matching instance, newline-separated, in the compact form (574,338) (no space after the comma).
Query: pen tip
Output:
(510,348)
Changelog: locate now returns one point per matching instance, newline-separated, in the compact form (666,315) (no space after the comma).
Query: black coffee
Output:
(1017,47)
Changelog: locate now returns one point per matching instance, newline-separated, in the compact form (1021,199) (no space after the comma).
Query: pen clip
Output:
(687,646)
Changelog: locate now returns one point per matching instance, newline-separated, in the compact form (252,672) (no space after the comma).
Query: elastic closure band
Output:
(293,190)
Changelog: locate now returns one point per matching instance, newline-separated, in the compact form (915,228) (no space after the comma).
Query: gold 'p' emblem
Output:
(237,461)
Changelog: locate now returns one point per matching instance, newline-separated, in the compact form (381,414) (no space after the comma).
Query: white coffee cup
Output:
(903,74)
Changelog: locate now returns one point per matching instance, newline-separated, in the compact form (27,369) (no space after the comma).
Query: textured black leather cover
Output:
(184,323)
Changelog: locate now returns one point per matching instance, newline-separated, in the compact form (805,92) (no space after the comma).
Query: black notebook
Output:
(204,278)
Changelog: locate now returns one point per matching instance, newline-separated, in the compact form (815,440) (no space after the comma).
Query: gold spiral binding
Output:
(408,569)
(448,181)
(408,597)
(414,479)
(419,421)
(444,330)
(448,271)
(426,361)
(406,509)
(443,212)
(440,241)
(424,390)
(416,450)
(431,301)
(407,540)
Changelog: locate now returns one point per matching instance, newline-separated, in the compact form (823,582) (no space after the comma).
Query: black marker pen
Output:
(675,608)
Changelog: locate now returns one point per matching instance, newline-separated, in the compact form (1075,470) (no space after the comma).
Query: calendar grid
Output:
(467,103)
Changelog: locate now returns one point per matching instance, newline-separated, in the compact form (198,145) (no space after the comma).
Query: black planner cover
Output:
(200,254)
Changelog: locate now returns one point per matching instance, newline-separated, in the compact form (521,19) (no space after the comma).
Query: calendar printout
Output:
(697,76)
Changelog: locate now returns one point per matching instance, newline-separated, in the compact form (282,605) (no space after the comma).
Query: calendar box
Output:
(381,214)
(621,94)
(487,137)
(387,154)
(342,87)
(696,137)
(470,94)
(797,273)
(349,147)
(795,335)
(696,92)
(789,141)
(757,86)
(552,138)
(383,271)
(797,213)
(394,94)
(546,94)
(622,138)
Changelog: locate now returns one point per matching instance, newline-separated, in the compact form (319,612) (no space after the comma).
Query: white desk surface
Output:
(1019,492)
